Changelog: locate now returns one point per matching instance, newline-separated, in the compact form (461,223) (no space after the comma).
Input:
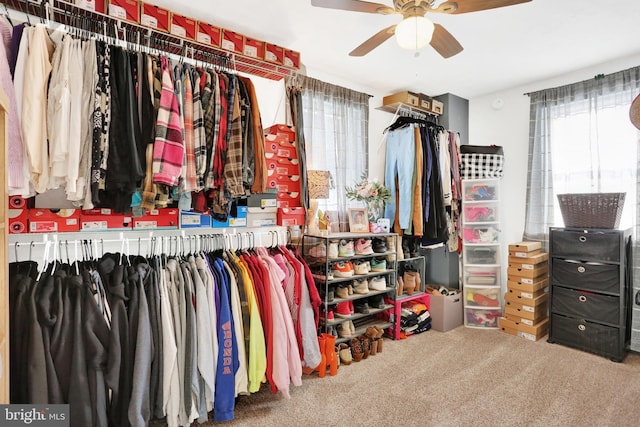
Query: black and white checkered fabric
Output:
(481,166)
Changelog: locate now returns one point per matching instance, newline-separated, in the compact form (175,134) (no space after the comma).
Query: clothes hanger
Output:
(6,13)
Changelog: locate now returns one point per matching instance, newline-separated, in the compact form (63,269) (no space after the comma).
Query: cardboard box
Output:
(54,221)
(525,246)
(263,200)
(530,332)
(209,34)
(527,266)
(104,220)
(290,216)
(540,270)
(446,311)
(273,53)
(17,202)
(527,285)
(525,294)
(536,258)
(291,59)
(261,217)
(129,10)
(18,221)
(183,26)
(155,17)
(529,312)
(519,299)
(253,48)
(240,220)
(513,254)
(158,219)
(283,131)
(409,98)
(191,219)
(233,42)
(437,107)
(425,101)
(99,6)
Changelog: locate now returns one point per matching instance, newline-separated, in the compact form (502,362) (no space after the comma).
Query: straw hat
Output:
(634,112)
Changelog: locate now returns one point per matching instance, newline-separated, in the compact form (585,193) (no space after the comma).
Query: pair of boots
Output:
(329,359)
(411,281)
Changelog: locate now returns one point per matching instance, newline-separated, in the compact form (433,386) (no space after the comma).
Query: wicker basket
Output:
(591,210)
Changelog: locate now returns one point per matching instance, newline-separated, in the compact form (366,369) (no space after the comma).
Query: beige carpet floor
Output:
(463,377)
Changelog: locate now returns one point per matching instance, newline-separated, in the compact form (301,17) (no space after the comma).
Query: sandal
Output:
(356,349)
(345,354)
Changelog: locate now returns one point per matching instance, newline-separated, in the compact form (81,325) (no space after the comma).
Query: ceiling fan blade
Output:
(444,43)
(374,41)
(466,6)
(354,5)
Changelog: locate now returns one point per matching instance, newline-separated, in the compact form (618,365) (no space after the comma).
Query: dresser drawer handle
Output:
(581,269)
(582,239)
(582,328)
(582,298)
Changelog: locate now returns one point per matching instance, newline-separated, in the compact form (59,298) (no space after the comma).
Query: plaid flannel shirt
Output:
(199,141)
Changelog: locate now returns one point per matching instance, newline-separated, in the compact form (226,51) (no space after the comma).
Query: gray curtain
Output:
(593,106)
(336,131)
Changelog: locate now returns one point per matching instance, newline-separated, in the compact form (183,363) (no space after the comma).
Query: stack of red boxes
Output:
(283,173)
(526,299)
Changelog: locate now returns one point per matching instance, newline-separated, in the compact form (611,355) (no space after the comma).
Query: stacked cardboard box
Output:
(527,298)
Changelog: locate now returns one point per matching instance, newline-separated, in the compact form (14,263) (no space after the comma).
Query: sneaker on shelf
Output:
(343,269)
(379,246)
(318,251)
(361,307)
(343,330)
(363,247)
(350,287)
(378,264)
(378,284)
(329,316)
(345,248)
(333,249)
(343,309)
(342,291)
(361,287)
(362,267)
(330,272)
(376,301)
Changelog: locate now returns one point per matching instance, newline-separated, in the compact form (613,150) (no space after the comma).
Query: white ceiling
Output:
(503,48)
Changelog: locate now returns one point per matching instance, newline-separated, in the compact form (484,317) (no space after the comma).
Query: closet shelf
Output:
(397,107)
(149,39)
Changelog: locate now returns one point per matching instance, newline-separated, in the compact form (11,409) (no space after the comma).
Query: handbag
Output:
(481,161)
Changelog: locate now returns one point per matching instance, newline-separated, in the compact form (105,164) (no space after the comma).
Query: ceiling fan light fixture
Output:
(414,32)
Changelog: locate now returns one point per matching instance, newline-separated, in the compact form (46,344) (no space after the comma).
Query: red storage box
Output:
(155,17)
(284,183)
(253,48)
(291,216)
(209,34)
(99,6)
(288,200)
(274,53)
(54,221)
(291,58)
(18,221)
(128,10)
(282,166)
(165,218)
(232,42)
(279,146)
(103,220)
(282,130)
(183,26)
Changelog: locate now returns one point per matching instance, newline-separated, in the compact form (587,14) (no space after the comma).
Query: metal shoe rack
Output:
(418,294)
(326,287)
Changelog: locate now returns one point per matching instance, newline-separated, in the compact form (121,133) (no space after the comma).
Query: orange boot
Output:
(322,367)
(330,353)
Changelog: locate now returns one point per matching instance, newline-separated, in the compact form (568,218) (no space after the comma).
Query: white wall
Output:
(509,127)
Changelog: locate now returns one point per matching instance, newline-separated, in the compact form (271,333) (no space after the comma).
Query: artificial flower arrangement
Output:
(372,193)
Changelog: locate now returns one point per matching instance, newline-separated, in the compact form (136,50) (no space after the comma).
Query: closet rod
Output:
(144,38)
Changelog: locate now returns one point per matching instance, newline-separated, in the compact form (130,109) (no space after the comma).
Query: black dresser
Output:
(590,290)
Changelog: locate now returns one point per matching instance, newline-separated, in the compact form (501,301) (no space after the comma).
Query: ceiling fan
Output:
(415,31)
